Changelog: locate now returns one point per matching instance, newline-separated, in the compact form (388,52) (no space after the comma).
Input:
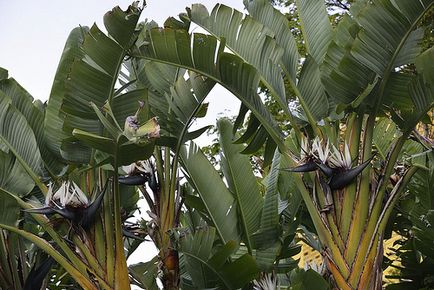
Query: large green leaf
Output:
(13,177)
(274,20)
(54,118)
(144,274)
(267,237)
(218,200)
(202,54)
(380,36)
(306,280)
(185,102)
(317,33)
(316,27)
(386,27)
(34,112)
(419,90)
(385,132)
(239,174)
(312,90)
(9,209)
(93,77)
(208,270)
(422,87)
(17,136)
(239,32)
(344,78)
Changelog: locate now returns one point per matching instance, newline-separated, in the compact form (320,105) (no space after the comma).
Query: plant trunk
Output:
(368,277)
(170,269)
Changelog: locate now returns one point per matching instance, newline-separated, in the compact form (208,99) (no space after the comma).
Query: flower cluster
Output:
(68,195)
(335,164)
(71,202)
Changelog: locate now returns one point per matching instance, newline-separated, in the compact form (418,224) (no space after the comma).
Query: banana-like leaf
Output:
(422,87)
(144,274)
(202,54)
(274,20)
(206,270)
(380,36)
(316,27)
(131,152)
(244,186)
(218,200)
(424,65)
(239,31)
(93,77)
(420,90)
(174,100)
(396,91)
(3,73)
(186,100)
(305,280)
(9,209)
(17,136)
(317,33)
(387,26)
(13,177)
(385,132)
(344,77)
(312,90)
(54,118)
(411,48)
(95,141)
(33,111)
(266,238)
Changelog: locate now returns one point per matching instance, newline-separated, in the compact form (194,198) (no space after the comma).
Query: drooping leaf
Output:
(312,90)
(198,53)
(316,27)
(144,274)
(245,189)
(13,177)
(9,210)
(34,114)
(54,118)
(17,136)
(93,77)
(239,31)
(217,199)
(208,271)
(266,238)
(274,20)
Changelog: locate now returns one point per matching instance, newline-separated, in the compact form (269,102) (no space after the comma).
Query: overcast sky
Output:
(33,33)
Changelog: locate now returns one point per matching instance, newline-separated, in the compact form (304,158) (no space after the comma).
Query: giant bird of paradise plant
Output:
(351,90)
(352,81)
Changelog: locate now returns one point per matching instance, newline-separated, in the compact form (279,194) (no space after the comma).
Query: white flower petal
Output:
(69,194)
